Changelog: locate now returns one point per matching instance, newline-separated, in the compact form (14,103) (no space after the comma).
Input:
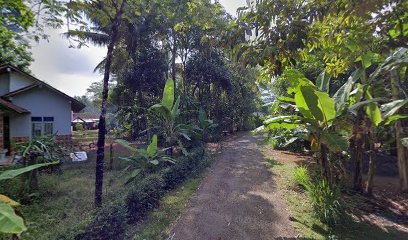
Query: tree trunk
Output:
(100,154)
(402,152)
(356,146)
(372,156)
(324,163)
(33,181)
(141,111)
(173,61)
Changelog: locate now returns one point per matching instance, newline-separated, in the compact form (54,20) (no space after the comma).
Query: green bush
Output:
(142,197)
(183,168)
(79,127)
(326,202)
(146,194)
(326,199)
(302,177)
(287,140)
(109,223)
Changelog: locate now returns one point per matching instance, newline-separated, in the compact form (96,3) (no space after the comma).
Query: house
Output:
(88,120)
(30,107)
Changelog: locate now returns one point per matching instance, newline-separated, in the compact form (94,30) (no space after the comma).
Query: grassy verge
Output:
(300,206)
(66,199)
(308,226)
(157,224)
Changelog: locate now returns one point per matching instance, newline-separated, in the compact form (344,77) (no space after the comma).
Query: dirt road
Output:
(237,199)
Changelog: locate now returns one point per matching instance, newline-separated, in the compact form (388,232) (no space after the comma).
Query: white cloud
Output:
(232,5)
(68,69)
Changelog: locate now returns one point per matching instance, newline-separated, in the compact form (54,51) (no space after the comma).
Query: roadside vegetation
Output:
(328,78)
(290,177)
(334,80)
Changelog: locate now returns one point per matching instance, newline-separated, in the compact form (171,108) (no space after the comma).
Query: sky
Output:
(70,69)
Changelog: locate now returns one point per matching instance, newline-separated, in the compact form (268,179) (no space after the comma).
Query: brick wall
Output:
(21,139)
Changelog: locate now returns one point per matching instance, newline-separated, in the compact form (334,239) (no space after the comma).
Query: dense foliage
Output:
(335,72)
(332,78)
(141,197)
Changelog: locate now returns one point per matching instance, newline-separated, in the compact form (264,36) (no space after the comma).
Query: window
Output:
(37,129)
(48,127)
(42,126)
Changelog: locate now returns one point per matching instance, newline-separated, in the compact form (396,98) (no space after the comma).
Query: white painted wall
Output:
(41,102)
(19,81)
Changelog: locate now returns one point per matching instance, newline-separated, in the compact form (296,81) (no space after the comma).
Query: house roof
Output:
(21,90)
(75,104)
(86,116)
(10,106)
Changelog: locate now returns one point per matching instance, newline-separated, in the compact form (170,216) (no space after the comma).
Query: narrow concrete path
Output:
(238,199)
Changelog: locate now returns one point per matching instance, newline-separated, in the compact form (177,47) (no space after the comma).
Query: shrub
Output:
(144,197)
(326,202)
(79,127)
(288,140)
(109,223)
(326,199)
(146,194)
(302,177)
(184,166)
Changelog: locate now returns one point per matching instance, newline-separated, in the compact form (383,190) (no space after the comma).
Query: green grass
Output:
(308,226)
(159,221)
(65,200)
(86,135)
(300,207)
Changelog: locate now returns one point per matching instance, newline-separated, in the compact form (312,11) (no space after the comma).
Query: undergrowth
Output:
(307,223)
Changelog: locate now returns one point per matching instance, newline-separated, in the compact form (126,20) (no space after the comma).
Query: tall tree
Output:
(343,36)
(107,18)
(22,21)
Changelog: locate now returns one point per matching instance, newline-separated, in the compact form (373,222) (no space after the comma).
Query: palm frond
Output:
(96,38)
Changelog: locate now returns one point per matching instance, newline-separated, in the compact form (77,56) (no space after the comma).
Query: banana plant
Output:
(141,159)
(38,150)
(168,113)
(316,113)
(205,123)
(11,221)
(394,69)
(355,97)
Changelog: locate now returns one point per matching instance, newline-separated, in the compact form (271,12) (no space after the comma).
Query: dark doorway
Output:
(6,134)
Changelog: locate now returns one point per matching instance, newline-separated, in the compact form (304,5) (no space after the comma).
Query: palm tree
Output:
(106,18)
